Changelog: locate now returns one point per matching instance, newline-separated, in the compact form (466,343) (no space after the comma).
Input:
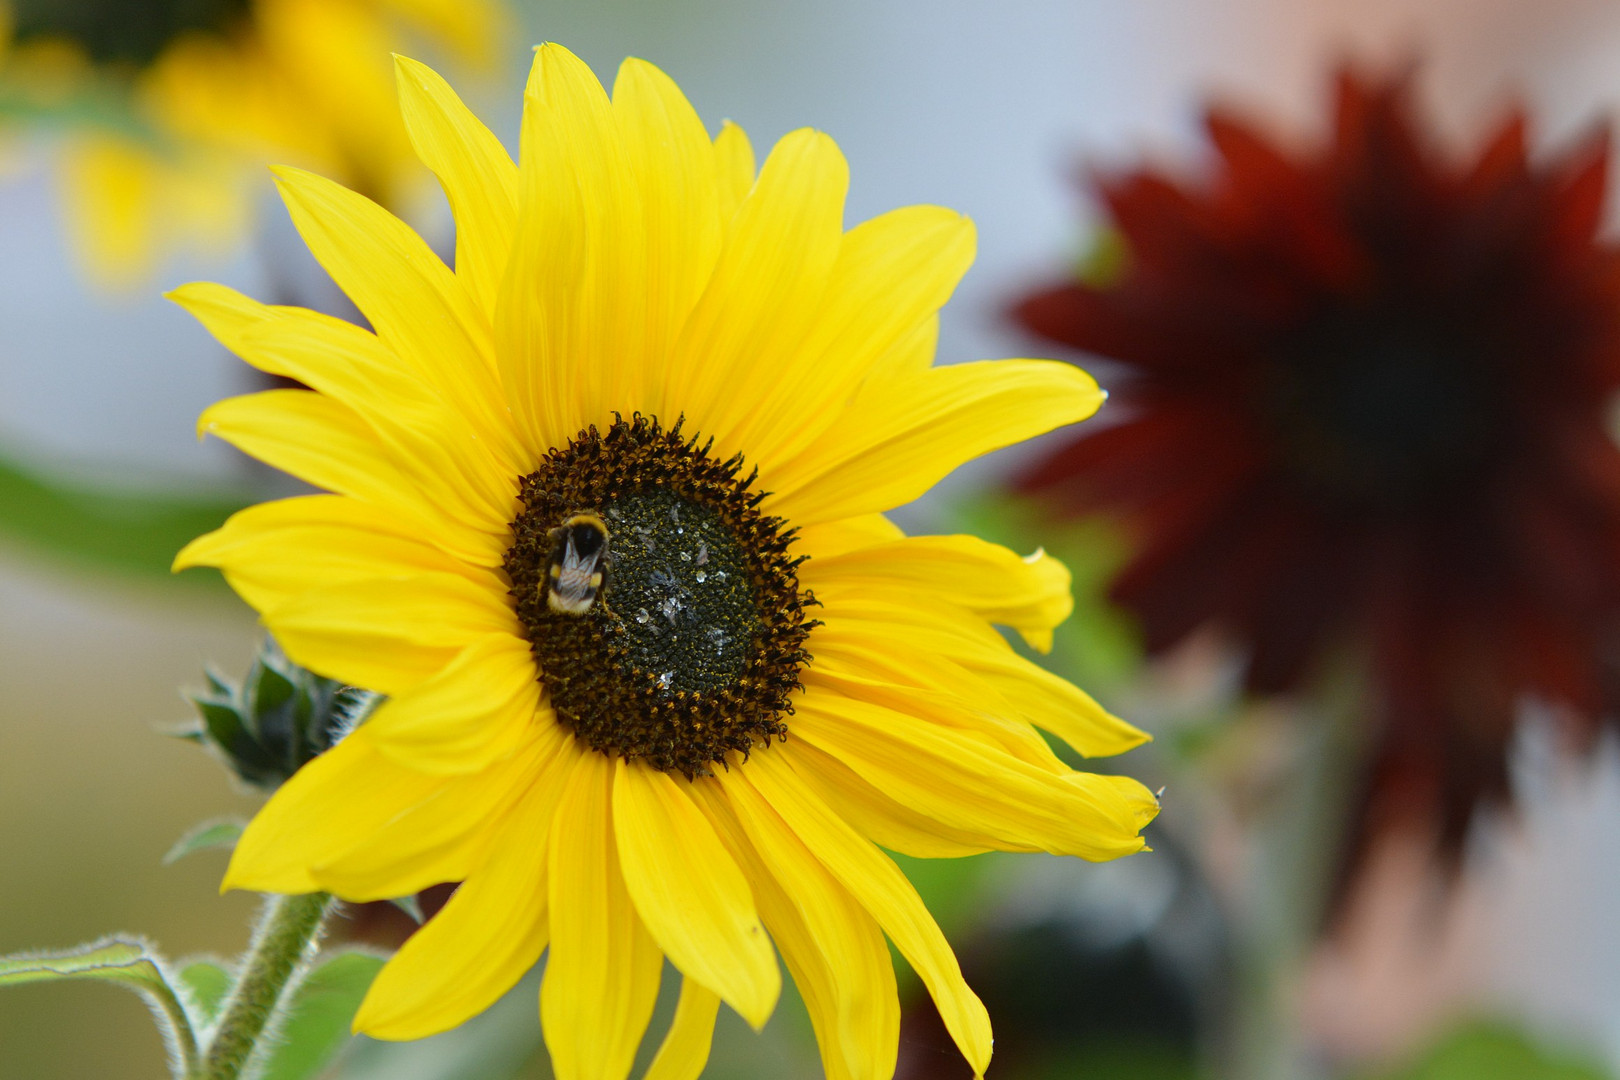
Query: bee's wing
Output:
(575,563)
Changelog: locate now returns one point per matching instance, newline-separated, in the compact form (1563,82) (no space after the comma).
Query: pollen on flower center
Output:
(689,643)
(682,591)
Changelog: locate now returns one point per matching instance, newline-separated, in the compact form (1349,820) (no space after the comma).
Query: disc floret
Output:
(693,647)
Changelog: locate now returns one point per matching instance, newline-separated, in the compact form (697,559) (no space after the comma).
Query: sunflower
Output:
(1366,393)
(605,524)
(174,106)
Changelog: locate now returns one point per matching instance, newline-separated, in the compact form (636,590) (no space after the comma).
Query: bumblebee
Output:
(579,548)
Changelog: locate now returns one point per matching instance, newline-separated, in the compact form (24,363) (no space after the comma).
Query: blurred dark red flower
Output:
(1365,402)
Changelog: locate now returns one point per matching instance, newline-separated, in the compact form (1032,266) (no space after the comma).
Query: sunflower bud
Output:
(280,717)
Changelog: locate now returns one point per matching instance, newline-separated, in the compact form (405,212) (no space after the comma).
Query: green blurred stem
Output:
(1297,844)
(282,945)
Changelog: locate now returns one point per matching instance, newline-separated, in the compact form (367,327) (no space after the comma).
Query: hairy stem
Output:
(287,931)
(182,1037)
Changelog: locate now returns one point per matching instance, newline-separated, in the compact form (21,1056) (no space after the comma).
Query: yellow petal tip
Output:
(758,1012)
(289,176)
(408,66)
(1039,640)
(185,558)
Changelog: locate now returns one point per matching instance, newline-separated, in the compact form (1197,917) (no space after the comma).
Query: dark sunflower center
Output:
(1374,410)
(131,31)
(680,638)
(681,588)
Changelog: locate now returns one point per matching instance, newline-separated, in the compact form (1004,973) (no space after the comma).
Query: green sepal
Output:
(317,1023)
(217,833)
(279,718)
(122,962)
(411,906)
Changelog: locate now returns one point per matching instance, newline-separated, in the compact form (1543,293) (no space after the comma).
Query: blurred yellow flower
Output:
(173,108)
(606,525)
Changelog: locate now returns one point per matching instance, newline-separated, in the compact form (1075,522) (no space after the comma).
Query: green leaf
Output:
(1494,1050)
(208,982)
(323,1007)
(121,531)
(129,964)
(217,833)
(126,962)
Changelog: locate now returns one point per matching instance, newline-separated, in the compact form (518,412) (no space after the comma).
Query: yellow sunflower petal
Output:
(911,356)
(312,437)
(669,153)
(329,805)
(906,434)
(422,847)
(481,707)
(968,784)
(602,974)
(892,273)
(771,785)
(353,367)
(734,164)
(881,819)
(766,290)
(337,358)
(833,949)
(475,170)
(685,1049)
(414,302)
(326,444)
(690,894)
(831,538)
(570,319)
(844,676)
(314,511)
(491,932)
(446,836)
(272,552)
(858,626)
(225,312)
(1030,595)
(442,456)
(388,635)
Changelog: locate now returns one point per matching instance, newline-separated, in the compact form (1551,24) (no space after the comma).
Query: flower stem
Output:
(1298,843)
(288,930)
